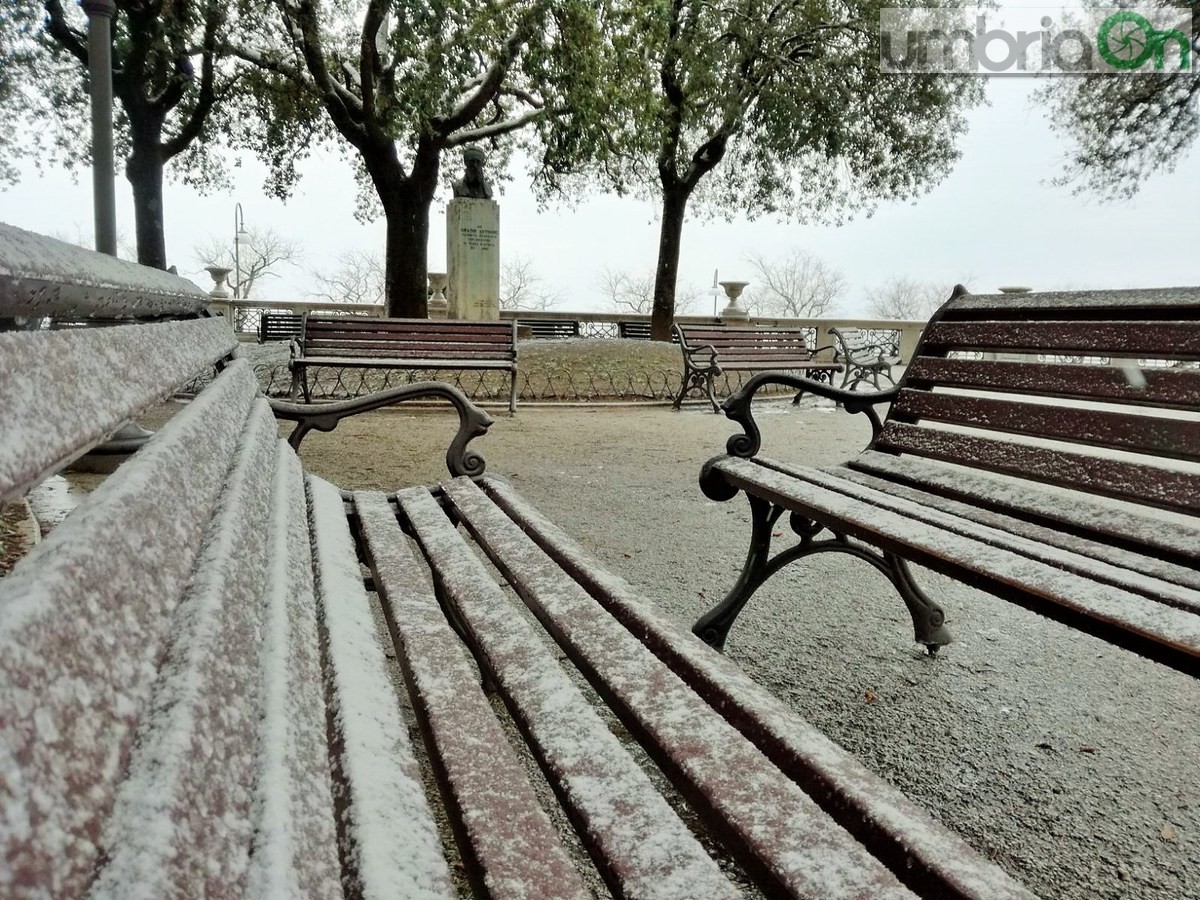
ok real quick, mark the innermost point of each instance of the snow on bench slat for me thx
(1173, 635)
(1126, 302)
(636, 839)
(914, 843)
(1176, 533)
(1100, 570)
(83, 620)
(1150, 484)
(514, 844)
(295, 841)
(392, 844)
(64, 391)
(1120, 337)
(782, 835)
(1153, 567)
(186, 799)
(43, 276)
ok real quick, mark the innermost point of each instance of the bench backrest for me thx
(418, 339)
(1095, 391)
(275, 326)
(750, 345)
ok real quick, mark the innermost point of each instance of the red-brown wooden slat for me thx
(930, 858)
(1140, 483)
(775, 828)
(1156, 435)
(509, 840)
(1093, 548)
(1154, 630)
(1166, 387)
(1089, 517)
(1123, 304)
(65, 741)
(352, 339)
(399, 348)
(638, 842)
(375, 362)
(390, 844)
(1155, 340)
(1106, 569)
(464, 330)
(192, 772)
(295, 852)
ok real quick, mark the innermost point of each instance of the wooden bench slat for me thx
(383, 349)
(1154, 340)
(773, 826)
(43, 276)
(390, 844)
(1170, 388)
(1156, 631)
(186, 799)
(1146, 484)
(1172, 302)
(1105, 569)
(125, 369)
(83, 620)
(353, 362)
(1014, 522)
(295, 836)
(929, 857)
(508, 837)
(1080, 515)
(1156, 435)
(636, 839)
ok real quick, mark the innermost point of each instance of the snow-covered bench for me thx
(865, 360)
(1043, 447)
(223, 676)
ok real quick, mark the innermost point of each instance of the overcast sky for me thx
(996, 219)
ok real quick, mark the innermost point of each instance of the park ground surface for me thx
(1070, 763)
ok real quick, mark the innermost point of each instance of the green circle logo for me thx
(1126, 40)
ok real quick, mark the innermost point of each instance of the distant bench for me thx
(374, 343)
(550, 329)
(865, 360)
(711, 350)
(1005, 462)
(200, 666)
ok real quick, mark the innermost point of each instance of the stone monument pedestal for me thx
(473, 258)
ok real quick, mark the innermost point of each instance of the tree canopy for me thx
(169, 79)
(401, 82)
(1123, 127)
(768, 107)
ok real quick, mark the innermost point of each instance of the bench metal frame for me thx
(926, 489)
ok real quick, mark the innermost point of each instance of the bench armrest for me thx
(472, 421)
(692, 352)
(738, 407)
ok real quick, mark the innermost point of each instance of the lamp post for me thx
(240, 237)
(104, 200)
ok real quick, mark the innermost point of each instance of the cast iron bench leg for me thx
(713, 627)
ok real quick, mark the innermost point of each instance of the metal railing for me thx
(246, 315)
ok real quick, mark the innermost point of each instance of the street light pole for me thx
(104, 190)
(239, 237)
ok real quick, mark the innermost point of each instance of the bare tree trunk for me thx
(669, 243)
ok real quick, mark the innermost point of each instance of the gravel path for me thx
(1070, 763)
